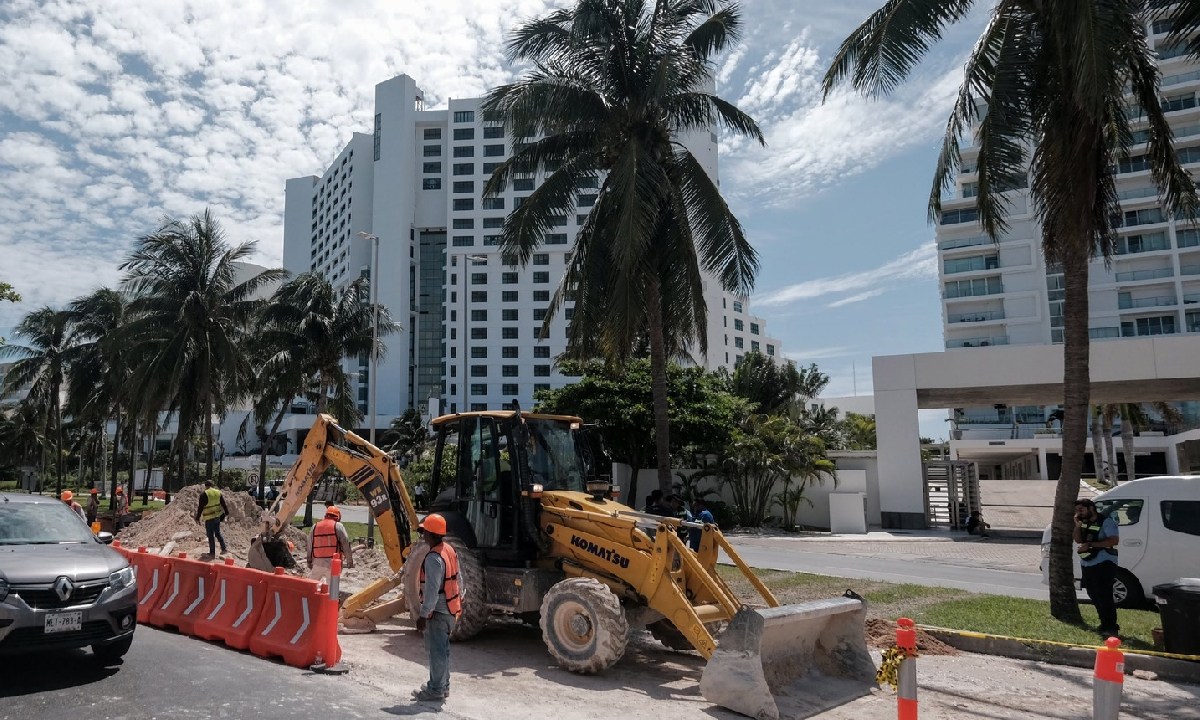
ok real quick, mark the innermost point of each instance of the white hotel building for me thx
(470, 325)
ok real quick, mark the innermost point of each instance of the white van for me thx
(1160, 535)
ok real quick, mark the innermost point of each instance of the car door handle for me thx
(1132, 543)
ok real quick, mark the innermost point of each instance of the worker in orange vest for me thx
(329, 539)
(441, 605)
(68, 499)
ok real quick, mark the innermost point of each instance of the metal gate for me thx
(951, 493)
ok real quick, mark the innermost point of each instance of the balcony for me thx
(1125, 303)
(1135, 244)
(1136, 193)
(1189, 270)
(1191, 299)
(1169, 80)
(977, 342)
(1135, 275)
(973, 317)
(956, 243)
(971, 264)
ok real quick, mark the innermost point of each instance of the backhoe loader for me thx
(540, 537)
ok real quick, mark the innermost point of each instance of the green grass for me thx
(949, 607)
(356, 530)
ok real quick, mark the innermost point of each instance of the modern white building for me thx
(470, 326)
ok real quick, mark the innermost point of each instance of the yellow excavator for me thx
(540, 536)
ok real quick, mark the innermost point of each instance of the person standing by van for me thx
(1097, 537)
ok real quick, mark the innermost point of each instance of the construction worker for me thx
(122, 502)
(212, 509)
(1097, 537)
(93, 506)
(329, 539)
(68, 499)
(441, 604)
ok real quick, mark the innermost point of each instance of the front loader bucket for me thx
(791, 661)
(266, 555)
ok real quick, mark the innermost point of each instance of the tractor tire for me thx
(584, 625)
(470, 582)
(669, 635)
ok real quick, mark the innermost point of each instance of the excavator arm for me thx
(372, 471)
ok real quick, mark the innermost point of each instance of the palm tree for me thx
(192, 323)
(776, 388)
(315, 328)
(1045, 92)
(42, 367)
(21, 438)
(613, 87)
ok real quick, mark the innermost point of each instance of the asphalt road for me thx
(172, 676)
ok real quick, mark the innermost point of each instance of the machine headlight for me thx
(121, 579)
(3, 589)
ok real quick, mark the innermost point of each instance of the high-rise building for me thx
(470, 326)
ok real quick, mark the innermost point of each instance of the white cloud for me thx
(860, 285)
(809, 355)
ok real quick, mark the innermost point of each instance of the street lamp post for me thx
(371, 363)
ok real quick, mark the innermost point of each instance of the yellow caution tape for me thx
(1055, 643)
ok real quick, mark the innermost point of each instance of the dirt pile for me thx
(176, 523)
(369, 566)
(882, 634)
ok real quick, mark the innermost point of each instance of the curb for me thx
(1179, 668)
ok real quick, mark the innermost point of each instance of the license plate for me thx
(64, 622)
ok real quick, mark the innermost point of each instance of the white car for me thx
(1159, 519)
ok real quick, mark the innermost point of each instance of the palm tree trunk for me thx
(1098, 447)
(658, 386)
(150, 462)
(112, 485)
(1064, 604)
(58, 443)
(1127, 441)
(1110, 453)
(321, 404)
(133, 457)
(208, 436)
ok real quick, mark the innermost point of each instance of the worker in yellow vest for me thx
(212, 510)
(329, 540)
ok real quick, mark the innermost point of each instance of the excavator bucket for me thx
(791, 661)
(266, 555)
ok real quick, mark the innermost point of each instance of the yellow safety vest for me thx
(212, 509)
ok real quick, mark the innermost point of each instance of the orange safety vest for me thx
(325, 539)
(450, 582)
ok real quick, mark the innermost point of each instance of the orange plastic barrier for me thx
(290, 626)
(189, 584)
(237, 601)
(151, 572)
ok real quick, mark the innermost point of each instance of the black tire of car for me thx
(1127, 591)
(110, 653)
(475, 611)
(584, 626)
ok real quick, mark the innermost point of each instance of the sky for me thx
(114, 115)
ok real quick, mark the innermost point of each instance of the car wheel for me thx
(1127, 591)
(110, 653)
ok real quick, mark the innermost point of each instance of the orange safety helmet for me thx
(120, 490)
(333, 512)
(94, 491)
(66, 496)
(434, 523)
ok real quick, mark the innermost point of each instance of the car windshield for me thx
(24, 523)
(553, 458)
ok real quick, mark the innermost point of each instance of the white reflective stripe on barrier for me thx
(220, 602)
(199, 597)
(174, 594)
(249, 605)
(153, 587)
(278, 614)
(304, 626)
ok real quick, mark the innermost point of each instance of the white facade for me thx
(470, 326)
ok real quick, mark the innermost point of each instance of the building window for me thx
(541, 259)
(556, 239)
(479, 351)
(771, 350)
(754, 329)
(541, 277)
(510, 389)
(478, 388)
(541, 351)
(558, 221)
(464, 241)
(754, 345)
(510, 315)
(431, 167)
(464, 168)
(508, 333)
(738, 324)
(479, 333)
(464, 223)
(737, 342)
(477, 407)
(464, 151)
(510, 352)
(479, 315)
(493, 150)
(463, 116)
(539, 314)
(569, 313)
(978, 286)
(464, 133)
(737, 306)
(510, 371)
(580, 219)
(508, 278)
(541, 296)
(479, 278)
(538, 387)
(957, 217)
(464, 186)
(433, 151)
(522, 184)
(491, 239)
(508, 296)
(491, 132)
(489, 168)
(479, 371)
(461, 204)
(432, 134)
(541, 371)
(478, 296)
(587, 200)
(378, 133)
(491, 223)
(431, 184)
(492, 203)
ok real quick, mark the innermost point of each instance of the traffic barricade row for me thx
(269, 614)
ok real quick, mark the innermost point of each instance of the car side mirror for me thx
(105, 537)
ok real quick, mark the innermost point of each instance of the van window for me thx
(1125, 511)
(1182, 516)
